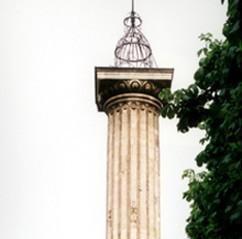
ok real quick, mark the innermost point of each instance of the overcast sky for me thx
(53, 140)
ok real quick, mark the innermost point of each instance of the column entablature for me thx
(142, 82)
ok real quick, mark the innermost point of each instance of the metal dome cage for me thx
(133, 49)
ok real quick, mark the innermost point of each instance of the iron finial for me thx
(133, 49)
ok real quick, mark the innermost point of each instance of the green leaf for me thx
(235, 216)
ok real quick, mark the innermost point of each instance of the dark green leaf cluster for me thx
(214, 104)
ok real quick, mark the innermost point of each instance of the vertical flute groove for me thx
(142, 176)
(133, 174)
(129, 162)
(113, 172)
(119, 174)
(138, 174)
(116, 175)
(157, 143)
(124, 173)
(110, 180)
(147, 174)
(151, 173)
(154, 177)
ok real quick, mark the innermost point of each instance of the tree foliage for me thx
(214, 103)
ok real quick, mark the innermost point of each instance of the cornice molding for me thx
(111, 82)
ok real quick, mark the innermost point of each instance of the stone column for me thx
(133, 167)
(133, 108)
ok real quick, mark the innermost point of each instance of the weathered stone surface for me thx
(133, 171)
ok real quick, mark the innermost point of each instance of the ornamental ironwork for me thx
(133, 49)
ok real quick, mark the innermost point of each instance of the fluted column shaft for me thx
(133, 167)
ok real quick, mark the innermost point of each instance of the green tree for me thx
(214, 103)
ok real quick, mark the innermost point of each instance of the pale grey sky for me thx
(53, 140)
